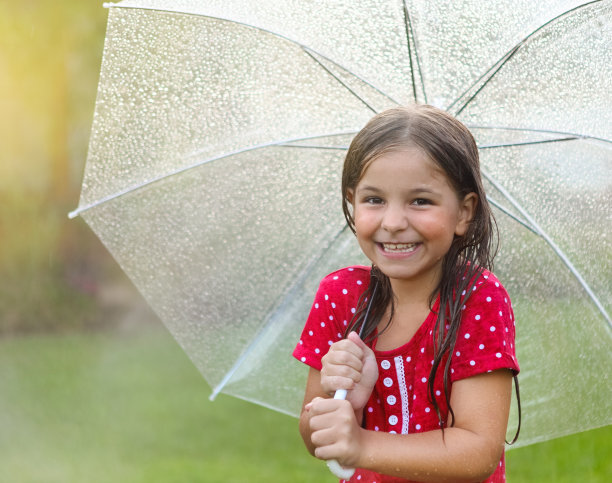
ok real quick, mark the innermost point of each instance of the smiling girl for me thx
(429, 386)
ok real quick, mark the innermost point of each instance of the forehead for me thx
(409, 166)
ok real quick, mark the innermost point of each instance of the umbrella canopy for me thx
(213, 173)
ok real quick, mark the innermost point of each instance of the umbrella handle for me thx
(333, 465)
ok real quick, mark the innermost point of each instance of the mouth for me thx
(398, 247)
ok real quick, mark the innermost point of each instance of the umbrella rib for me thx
(570, 135)
(271, 317)
(412, 46)
(507, 212)
(526, 143)
(556, 249)
(495, 68)
(342, 83)
(146, 183)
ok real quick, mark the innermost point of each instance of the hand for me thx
(350, 364)
(335, 433)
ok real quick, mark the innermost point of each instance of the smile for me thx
(399, 247)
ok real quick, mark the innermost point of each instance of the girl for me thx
(429, 386)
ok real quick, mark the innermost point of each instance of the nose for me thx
(394, 218)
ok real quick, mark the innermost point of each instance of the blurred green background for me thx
(92, 387)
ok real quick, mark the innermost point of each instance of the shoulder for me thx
(487, 307)
(348, 278)
(487, 288)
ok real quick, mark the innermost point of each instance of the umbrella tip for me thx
(108, 4)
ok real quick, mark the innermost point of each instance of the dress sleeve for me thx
(333, 307)
(485, 341)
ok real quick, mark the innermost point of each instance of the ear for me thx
(467, 209)
(350, 196)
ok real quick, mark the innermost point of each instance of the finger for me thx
(332, 383)
(350, 356)
(355, 339)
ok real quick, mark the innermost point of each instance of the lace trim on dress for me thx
(401, 381)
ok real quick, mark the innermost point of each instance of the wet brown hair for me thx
(452, 147)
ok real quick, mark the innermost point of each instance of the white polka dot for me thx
(388, 382)
(418, 427)
(427, 410)
(498, 355)
(438, 393)
(353, 310)
(463, 293)
(505, 300)
(500, 313)
(316, 306)
(497, 284)
(424, 379)
(391, 400)
(345, 322)
(370, 409)
(477, 317)
(488, 299)
(344, 291)
(322, 324)
(303, 359)
(359, 282)
(329, 342)
(317, 351)
(472, 363)
(457, 353)
(385, 364)
(336, 277)
(467, 336)
(339, 335)
(481, 346)
(301, 343)
(492, 328)
(408, 359)
(326, 297)
(310, 332)
(422, 350)
(393, 420)
(333, 305)
(351, 269)
(392, 432)
(376, 428)
(331, 317)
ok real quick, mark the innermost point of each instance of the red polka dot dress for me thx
(399, 402)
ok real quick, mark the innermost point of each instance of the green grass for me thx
(128, 406)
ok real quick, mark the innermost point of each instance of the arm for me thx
(469, 451)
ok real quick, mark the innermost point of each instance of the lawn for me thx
(128, 406)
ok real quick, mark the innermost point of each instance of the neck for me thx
(414, 292)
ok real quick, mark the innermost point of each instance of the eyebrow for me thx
(414, 191)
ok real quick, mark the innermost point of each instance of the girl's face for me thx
(406, 215)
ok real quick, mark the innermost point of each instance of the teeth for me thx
(399, 247)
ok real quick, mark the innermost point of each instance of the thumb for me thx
(354, 337)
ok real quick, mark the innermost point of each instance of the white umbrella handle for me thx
(333, 465)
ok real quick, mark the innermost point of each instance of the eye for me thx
(421, 202)
(373, 200)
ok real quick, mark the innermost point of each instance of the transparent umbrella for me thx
(216, 150)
